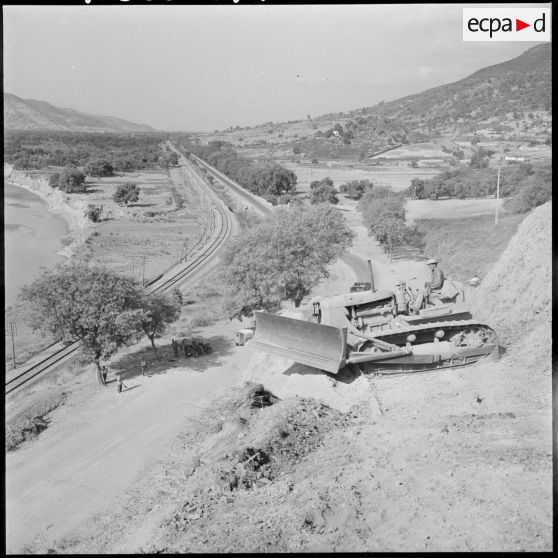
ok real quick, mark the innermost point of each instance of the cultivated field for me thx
(398, 178)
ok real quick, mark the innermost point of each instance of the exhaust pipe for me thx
(371, 277)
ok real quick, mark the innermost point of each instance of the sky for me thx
(179, 67)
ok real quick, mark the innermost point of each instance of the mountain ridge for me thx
(33, 114)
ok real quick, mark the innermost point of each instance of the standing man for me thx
(433, 286)
(143, 365)
(120, 384)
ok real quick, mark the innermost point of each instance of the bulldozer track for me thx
(47, 364)
(432, 325)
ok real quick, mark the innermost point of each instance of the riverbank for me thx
(57, 202)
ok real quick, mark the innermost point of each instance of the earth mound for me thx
(516, 296)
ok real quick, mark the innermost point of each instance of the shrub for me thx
(94, 212)
(99, 167)
(355, 189)
(126, 193)
(70, 180)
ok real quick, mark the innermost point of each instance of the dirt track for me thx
(89, 456)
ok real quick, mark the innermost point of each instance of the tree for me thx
(316, 183)
(323, 191)
(53, 180)
(70, 180)
(283, 257)
(99, 167)
(84, 303)
(126, 193)
(374, 208)
(417, 188)
(274, 180)
(356, 188)
(158, 310)
(534, 192)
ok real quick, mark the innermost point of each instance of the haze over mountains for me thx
(29, 114)
(496, 95)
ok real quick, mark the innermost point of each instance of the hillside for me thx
(29, 114)
(510, 101)
(445, 461)
(520, 85)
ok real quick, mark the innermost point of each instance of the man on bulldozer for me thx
(432, 287)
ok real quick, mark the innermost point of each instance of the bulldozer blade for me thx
(316, 345)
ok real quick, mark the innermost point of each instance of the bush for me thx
(30, 422)
(531, 195)
(383, 214)
(355, 189)
(94, 212)
(70, 180)
(99, 167)
(323, 191)
(126, 194)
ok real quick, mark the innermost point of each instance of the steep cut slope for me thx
(516, 295)
(29, 114)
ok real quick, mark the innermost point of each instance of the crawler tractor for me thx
(379, 332)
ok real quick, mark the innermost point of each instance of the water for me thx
(32, 236)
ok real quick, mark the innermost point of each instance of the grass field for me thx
(452, 208)
(470, 246)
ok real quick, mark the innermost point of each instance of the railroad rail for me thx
(161, 284)
(259, 204)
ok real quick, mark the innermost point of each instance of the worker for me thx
(432, 287)
(120, 384)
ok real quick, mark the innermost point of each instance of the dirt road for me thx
(86, 459)
(89, 456)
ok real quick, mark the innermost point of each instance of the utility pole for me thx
(185, 248)
(143, 271)
(498, 185)
(11, 330)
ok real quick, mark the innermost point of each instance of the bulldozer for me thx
(379, 332)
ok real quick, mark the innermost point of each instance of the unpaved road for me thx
(89, 456)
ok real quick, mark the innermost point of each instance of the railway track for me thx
(163, 284)
(260, 205)
(355, 263)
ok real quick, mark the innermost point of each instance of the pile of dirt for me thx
(255, 448)
(516, 296)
